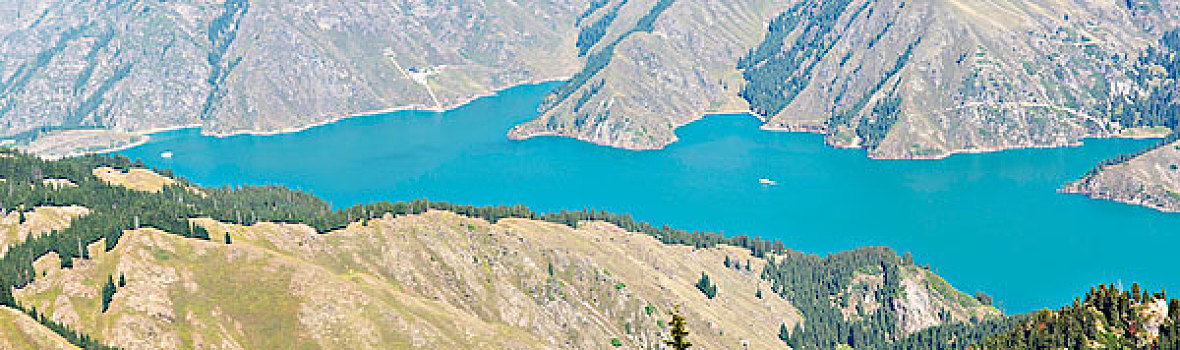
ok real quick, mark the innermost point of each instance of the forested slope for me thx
(1108, 317)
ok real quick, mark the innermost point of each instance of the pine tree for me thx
(706, 286)
(108, 293)
(783, 333)
(678, 338)
(228, 239)
(122, 280)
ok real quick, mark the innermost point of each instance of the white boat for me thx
(166, 155)
(767, 182)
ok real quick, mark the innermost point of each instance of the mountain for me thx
(915, 79)
(240, 66)
(903, 79)
(659, 65)
(103, 251)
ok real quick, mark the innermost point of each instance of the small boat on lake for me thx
(767, 182)
(166, 155)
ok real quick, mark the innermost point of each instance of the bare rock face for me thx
(1151, 179)
(235, 65)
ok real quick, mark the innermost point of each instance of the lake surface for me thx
(991, 221)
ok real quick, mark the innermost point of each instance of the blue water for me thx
(983, 221)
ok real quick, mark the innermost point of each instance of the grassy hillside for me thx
(434, 280)
(19, 331)
(270, 267)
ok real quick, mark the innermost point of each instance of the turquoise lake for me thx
(991, 222)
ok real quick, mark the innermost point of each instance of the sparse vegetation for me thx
(678, 335)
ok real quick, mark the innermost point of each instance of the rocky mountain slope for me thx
(236, 65)
(929, 78)
(422, 278)
(1149, 176)
(661, 65)
(903, 79)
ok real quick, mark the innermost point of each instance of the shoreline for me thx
(337, 118)
(516, 134)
